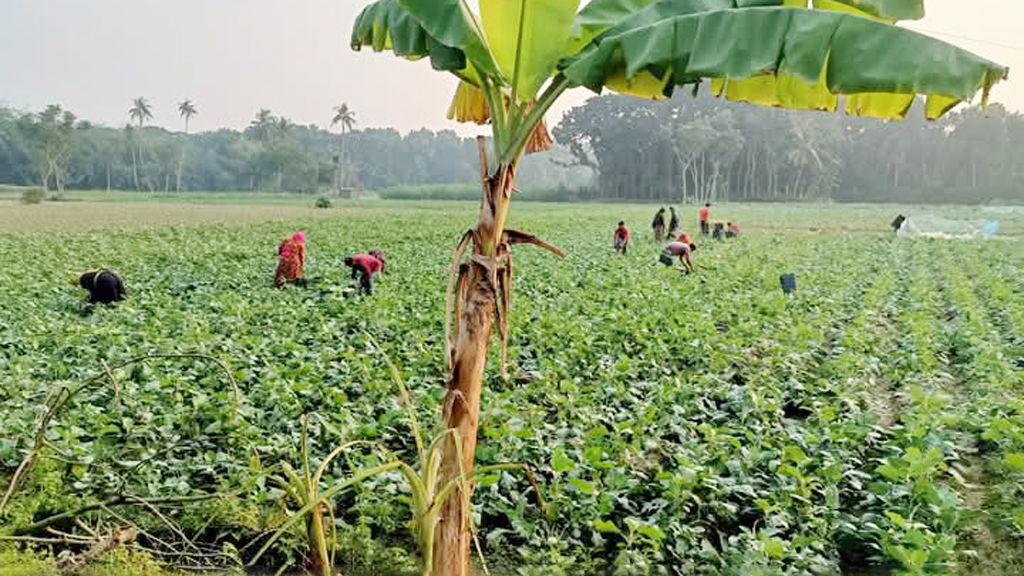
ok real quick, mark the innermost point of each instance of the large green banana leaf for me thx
(527, 38)
(886, 9)
(453, 24)
(600, 15)
(386, 25)
(788, 50)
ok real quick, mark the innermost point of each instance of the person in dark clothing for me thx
(659, 226)
(103, 285)
(364, 266)
(673, 222)
(898, 223)
(718, 232)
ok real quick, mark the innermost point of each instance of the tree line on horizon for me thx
(684, 149)
(704, 149)
(56, 150)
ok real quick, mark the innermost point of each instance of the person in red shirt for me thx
(292, 254)
(705, 213)
(621, 237)
(364, 266)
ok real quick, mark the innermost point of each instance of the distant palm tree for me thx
(261, 124)
(346, 117)
(187, 110)
(139, 112)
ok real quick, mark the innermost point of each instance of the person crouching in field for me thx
(898, 222)
(684, 251)
(292, 253)
(364, 266)
(731, 230)
(103, 285)
(621, 242)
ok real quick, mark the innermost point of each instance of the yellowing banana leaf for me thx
(879, 105)
(782, 90)
(936, 105)
(848, 54)
(527, 37)
(643, 85)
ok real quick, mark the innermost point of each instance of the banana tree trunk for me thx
(477, 285)
(478, 297)
(452, 538)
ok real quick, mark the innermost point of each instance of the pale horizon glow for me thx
(233, 57)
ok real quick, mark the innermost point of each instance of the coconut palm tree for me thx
(261, 126)
(187, 110)
(139, 112)
(346, 117)
(514, 59)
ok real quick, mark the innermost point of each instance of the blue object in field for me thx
(788, 282)
(990, 228)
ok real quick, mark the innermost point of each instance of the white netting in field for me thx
(936, 227)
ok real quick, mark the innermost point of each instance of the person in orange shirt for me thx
(621, 238)
(705, 213)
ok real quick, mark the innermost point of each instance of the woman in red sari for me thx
(293, 256)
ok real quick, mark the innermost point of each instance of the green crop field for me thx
(871, 422)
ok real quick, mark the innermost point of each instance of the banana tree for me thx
(514, 58)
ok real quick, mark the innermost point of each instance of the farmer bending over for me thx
(103, 285)
(292, 252)
(621, 237)
(364, 266)
(684, 251)
(731, 230)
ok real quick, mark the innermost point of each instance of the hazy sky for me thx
(232, 57)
